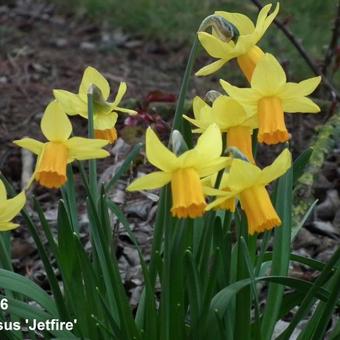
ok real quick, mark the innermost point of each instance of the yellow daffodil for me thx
(9, 208)
(60, 149)
(270, 96)
(248, 182)
(230, 117)
(184, 171)
(105, 113)
(245, 49)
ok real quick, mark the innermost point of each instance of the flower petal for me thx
(92, 77)
(120, 93)
(151, 181)
(301, 89)
(281, 164)
(157, 154)
(55, 124)
(242, 175)
(242, 95)
(268, 77)
(6, 226)
(214, 46)
(105, 121)
(214, 166)
(211, 68)
(264, 20)
(300, 104)
(3, 192)
(30, 144)
(71, 103)
(128, 111)
(83, 148)
(11, 207)
(242, 22)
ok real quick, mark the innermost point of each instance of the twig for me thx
(333, 92)
(333, 42)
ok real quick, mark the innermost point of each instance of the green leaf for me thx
(300, 164)
(281, 251)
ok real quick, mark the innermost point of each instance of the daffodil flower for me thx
(54, 155)
(184, 171)
(230, 117)
(247, 182)
(245, 49)
(270, 96)
(105, 113)
(9, 208)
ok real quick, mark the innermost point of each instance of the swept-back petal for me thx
(83, 148)
(198, 104)
(151, 181)
(71, 103)
(3, 192)
(220, 200)
(11, 207)
(242, 22)
(55, 124)
(300, 104)
(105, 121)
(301, 89)
(128, 111)
(281, 164)
(120, 93)
(92, 77)
(228, 112)
(264, 20)
(242, 95)
(30, 144)
(157, 154)
(6, 226)
(213, 166)
(242, 175)
(214, 46)
(268, 77)
(211, 68)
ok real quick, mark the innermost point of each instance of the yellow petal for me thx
(301, 89)
(214, 166)
(157, 154)
(227, 112)
(207, 149)
(242, 95)
(281, 164)
(300, 104)
(242, 22)
(220, 200)
(83, 148)
(6, 226)
(214, 46)
(120, 93)
(92, 77)
(242, 175)
(30, 144)
(3, 192)
(151, 181)
(11, 207)
(268, 77)
(211, 68)
(105, 121)
(71, 103)
(55, 124)
(195, 122)
(128, 111)
(198, 105)
(264, 20)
